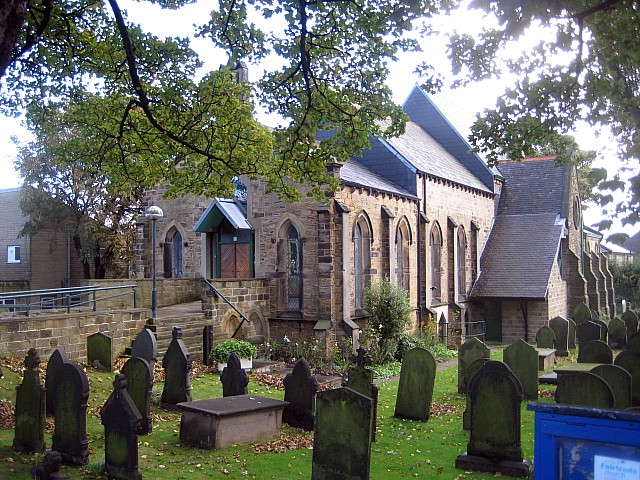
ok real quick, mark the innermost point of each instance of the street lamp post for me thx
(153, 213)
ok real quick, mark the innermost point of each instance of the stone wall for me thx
(513, 322)
(46, 332)
(171, 291)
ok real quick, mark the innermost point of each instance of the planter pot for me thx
(245, 363)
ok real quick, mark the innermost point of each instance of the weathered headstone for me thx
(360, 379)
(617, 334)
(619, 380)
(581, 313)
(207, 344)
(121, 420)
(604, 329)
(100, 351)
(560, 327)
(415, 390)
(630, 361)
(145, 346)
(633, 342)
(471, 371)
(545, 337)
(630, 319)
(49, 468)
(572, 334)
(342, 438)
(586, 389)
(468, 352)
(70, 435)
(56, 360)
(139, 376)
(233, 377)
(300, 387)
(595, 351)
(494, 441)
(586, 332)
(522, 359)
(30, 413)
(177, 364)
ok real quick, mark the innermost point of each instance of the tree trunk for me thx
(77, 245)
(12, 19)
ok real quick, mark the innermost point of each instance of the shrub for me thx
(221, 351)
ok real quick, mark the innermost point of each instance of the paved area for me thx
(182, 309)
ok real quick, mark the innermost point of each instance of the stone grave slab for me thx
(633, 342)
(49, 468)
(581, 313)
(630, 361)
(342, 438)
(139, 376)
(546, 358)
(100, 351)
(177, 364)
(57, 358)
(571, 368)
(300, 387)
(145, 346)
(630, 319)
(360, 379)
(471, 371)
(233, 377)
(617, 334)
(545, 337)
(30, 409)
(415, 389)
(585, 389)
(522, 359)
(595, 351)
(560, 327)
(468, 352)
(221, 422)
(572, 334)
(619, 380)
(604, 329)
(207, 344)
(587, 331)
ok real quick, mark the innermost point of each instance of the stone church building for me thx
(480, 251)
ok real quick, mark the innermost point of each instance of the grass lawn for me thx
(404, 449)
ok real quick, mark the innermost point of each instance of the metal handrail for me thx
(228, 302)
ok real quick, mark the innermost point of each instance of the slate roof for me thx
(633, 243)
(518, 257)
(233, 210)
(356, 174)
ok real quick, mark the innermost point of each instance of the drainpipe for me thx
(68, 260)
(525, 316)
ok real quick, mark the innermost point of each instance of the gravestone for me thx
(49, 468)
(360, 379)
(631, 321)
(586, 332)
(604, 329)
(121, 420)
(177, 364)
(619, 380)
(300, 388)
(70, 435)
(233, 377)
(586, 389)
(56, 360)
(630, 361)
(633, 342)
(560, 327)
(468, 352)
(595, 351)
(471, 371)
(545, 337)
(494, 441)
(522, 359)
(617, 334)
(30, 410)
(581, 313)
(415, 390)
(342, 437)
(145, 346)
(100, 351)
(207, 344)
(571, 340)
(139, 376)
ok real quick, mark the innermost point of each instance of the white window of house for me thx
(13, 254)
(7, 301)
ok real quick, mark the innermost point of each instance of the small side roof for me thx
(235, 211)
(356, 174)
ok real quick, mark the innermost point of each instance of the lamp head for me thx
(153, 213)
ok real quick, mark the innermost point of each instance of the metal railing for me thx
(217, 292)
(27, 301)
(448, 331)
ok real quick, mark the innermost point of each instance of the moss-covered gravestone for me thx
(177, 364)
(471, 371)
(360, 379)
(585, 389)
(630, 361)
(415, 390)
(342, 435)
(300, 388)
(604, 329)
(631, 321)
(494, 441)
(139, 376)
(207, 344)
(619, 380)
(56, 360)
(100, 351)
(522, 359)
(572, 334)
(145, 346)
(633, 342)
(70, 435)
(121, 420)
(233, 377)
(545, 337)
(587, 332)
(468, 352)
(617, 334)
(560, 327)
(582, 313)
(49, 468)
(30, 414)
(595, 351)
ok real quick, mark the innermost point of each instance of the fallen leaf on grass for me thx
(285, 443)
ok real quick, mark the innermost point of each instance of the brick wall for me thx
(69, 331)
(12, 223)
